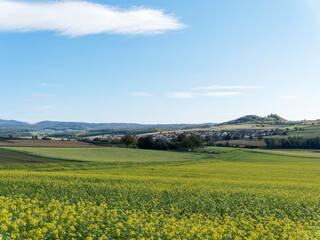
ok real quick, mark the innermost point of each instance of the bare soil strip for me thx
(44, 143)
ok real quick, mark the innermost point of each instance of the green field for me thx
(8, 156)
(240, 194)
(109, 155)
(308, 133)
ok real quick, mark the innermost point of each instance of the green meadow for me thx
(308, 133)
(105, 155)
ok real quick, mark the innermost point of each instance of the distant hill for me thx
(84, 126)
(270, 119)
(93, 126)
(8, 123)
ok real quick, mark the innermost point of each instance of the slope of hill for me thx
(272, 118)
(10, 123)
(22, 129)
(94, 126)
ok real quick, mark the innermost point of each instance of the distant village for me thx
(209, 135)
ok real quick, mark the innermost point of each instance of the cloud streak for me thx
(215, 87)
(41, 109)
(140, 94)
(195, 94)
(78, 18)
(43, 95)
(46, 85)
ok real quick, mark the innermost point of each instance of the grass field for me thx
(241, 194)
(308, 133)
(110, 154)
(7, 156)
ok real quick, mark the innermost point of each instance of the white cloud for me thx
(195, 94)
(41, 109)
(289, 97)
(42, 95)
(46, 85)
(225, 87)
(30, 100)
(140, 94)
(220, 94)
(77, 18)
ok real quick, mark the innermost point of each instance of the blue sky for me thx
(181, 61)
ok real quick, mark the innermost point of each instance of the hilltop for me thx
(10, 123)
(254, 119)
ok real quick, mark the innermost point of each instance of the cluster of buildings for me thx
(211, 134)
(222, 135)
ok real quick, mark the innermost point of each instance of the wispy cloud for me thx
(41, 109)
(220, 94)
(215, 87)
(140, 94)
(77, 18)
(196, 94)
(30, 100)
(46, 84)
(289, 97)
(43, 95)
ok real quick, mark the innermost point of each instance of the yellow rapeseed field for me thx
(240, 194)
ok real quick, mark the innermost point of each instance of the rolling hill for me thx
(272, 118)
(55, 125)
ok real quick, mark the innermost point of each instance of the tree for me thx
(160, 144)
(181, 137)
(227, 137)
(196, 140)
(127, 140)
(187, 143)
(145, 142)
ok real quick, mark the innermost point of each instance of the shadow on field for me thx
(8, 156)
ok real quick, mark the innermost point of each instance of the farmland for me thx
(41, 143)
(240, 194)
(307, 133)
(7, 156)
(110, 155)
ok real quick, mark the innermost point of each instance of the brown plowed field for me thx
(44, 143)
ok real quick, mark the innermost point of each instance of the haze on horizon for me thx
(158, 62)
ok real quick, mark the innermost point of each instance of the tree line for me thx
(293, 143)
(181, 142)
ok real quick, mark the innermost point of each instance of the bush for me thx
(46, 138)
(160, 144)
(145, 142)
(127, 140)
